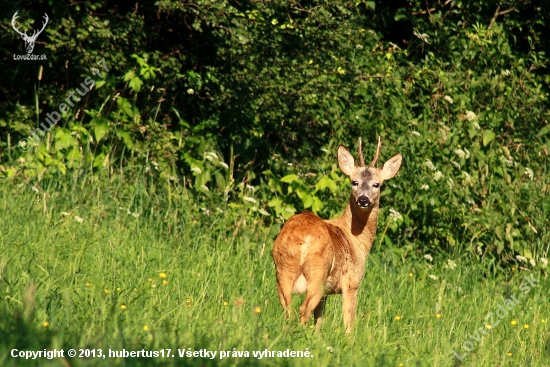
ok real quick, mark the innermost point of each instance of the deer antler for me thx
(43, 24)
(13, 19)
(24, 34)
(361, 159)
(373, 163)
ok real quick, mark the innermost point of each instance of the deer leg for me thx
(349, 305)
(314, 295)
(287, 274)
(318, 313)
(315, 291)
(284, 288)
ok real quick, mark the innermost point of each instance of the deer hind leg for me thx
(318, 313)
(286, 277)
(284, 288)
(316, 274)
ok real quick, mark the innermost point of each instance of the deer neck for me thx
(360, 223)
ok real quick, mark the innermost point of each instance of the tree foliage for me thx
(247, 102)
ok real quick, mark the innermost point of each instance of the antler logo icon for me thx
(29, 40)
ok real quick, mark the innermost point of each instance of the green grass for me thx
(63, 283)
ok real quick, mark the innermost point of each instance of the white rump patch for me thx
(300, 285)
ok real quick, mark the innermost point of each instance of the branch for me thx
(498, 13)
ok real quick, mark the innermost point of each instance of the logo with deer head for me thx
(29, 40)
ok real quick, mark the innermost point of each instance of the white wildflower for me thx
(190, 91)
(451, 264)
(210, 156)
(479, 250)
(544, 261)
(224, 165)
(521, 258)
(428, 257)
(423, 36)
(250, 187)
(529, 173)
(197, 170)
(64, 214)
(416, 133)
(78, 219)
(451, 183)
(532, 262)
(476, 125)
(460, 153)
(359, 47)
(438, 175)
(433, 276)
(508, 162)
(249, 199)
(34, 189)
(456, 164)
(204, 187)
(425, 187)
(467, 153)
(471, 116)
(448, 99)
(506, 72)
(467, 177)
(430, 165)
(263, 212)
(396, 216)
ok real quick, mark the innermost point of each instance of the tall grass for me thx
(97, 264)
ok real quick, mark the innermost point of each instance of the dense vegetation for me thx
(222, 118)
(219, 96)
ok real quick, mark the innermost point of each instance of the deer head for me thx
(366, 181)
(29, 40)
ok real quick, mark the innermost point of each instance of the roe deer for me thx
(320, 257)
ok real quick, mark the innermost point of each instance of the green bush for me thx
(242, 106)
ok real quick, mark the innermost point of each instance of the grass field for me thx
(86, 267)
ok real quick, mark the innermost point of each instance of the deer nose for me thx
(363, 201)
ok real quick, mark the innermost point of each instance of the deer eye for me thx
(354, 183)
(377, 185)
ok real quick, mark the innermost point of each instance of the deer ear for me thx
(391, 167)
(345, 160)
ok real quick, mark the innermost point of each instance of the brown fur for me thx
(320, 257)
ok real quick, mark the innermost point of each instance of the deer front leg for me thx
(349, 305)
